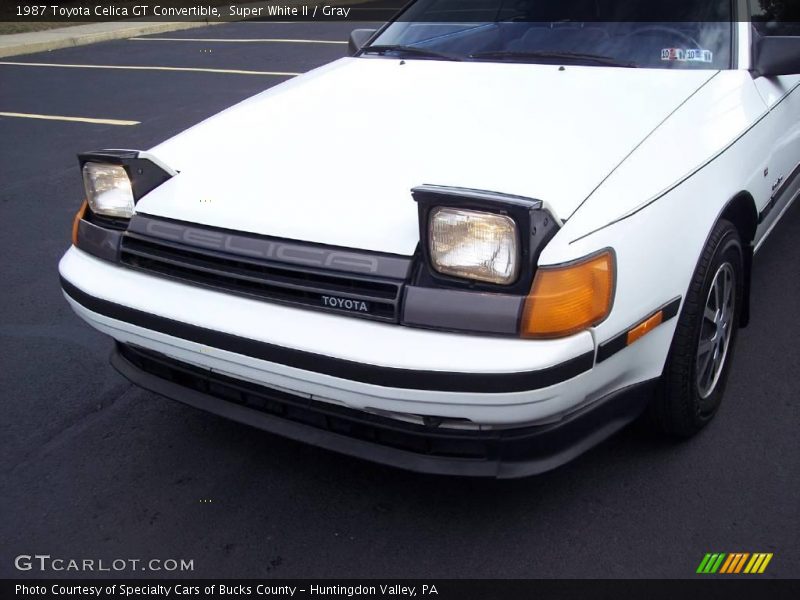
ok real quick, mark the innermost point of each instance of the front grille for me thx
(351, 294)
(420, 439)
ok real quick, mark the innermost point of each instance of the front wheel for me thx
(699, 360)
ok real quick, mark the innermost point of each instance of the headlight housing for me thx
(472, 244)
(108, 189)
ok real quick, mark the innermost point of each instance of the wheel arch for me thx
(741, 211)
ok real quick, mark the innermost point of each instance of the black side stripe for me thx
(445, 381)
(610, 347)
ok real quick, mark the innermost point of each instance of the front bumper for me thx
(504, 453)
(504, 393)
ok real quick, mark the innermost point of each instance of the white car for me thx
(475, 247)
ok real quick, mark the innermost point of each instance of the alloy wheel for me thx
(716, 329)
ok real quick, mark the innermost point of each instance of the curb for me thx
(66, 37)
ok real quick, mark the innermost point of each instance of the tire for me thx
(692, 385)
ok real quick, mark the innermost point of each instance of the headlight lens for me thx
(473, 244)
(108, 189)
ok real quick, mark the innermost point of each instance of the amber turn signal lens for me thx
(568, 299)
(76, 221)
(645, 327)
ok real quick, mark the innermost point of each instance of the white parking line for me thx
(142, 68)
(75, 119)
(234, 41)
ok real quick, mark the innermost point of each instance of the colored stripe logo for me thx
(734, 563)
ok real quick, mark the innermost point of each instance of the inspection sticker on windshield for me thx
(687, 55)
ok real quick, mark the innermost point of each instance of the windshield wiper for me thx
(412, 50)
(571, 56)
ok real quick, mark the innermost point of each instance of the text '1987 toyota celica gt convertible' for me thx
(478, 245)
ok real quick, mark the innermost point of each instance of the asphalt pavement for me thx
(95, 468)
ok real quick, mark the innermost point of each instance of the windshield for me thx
(679, 34)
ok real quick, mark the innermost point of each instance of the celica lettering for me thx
(347, 261)
(296, 255)
(268, 249)
(205, 239)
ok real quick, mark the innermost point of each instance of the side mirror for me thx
(776, 55)
(358, 37)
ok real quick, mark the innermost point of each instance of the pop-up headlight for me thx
(108, 189)
(473, 244)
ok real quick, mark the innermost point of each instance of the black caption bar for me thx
(371, 589)
(88, 11)
(439, 11)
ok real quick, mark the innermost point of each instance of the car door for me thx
(781, 95)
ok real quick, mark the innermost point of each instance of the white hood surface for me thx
(331, 157)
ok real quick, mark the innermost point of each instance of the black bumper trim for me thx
(505, 453)
(445, 381)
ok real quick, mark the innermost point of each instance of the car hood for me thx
(331, 156)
